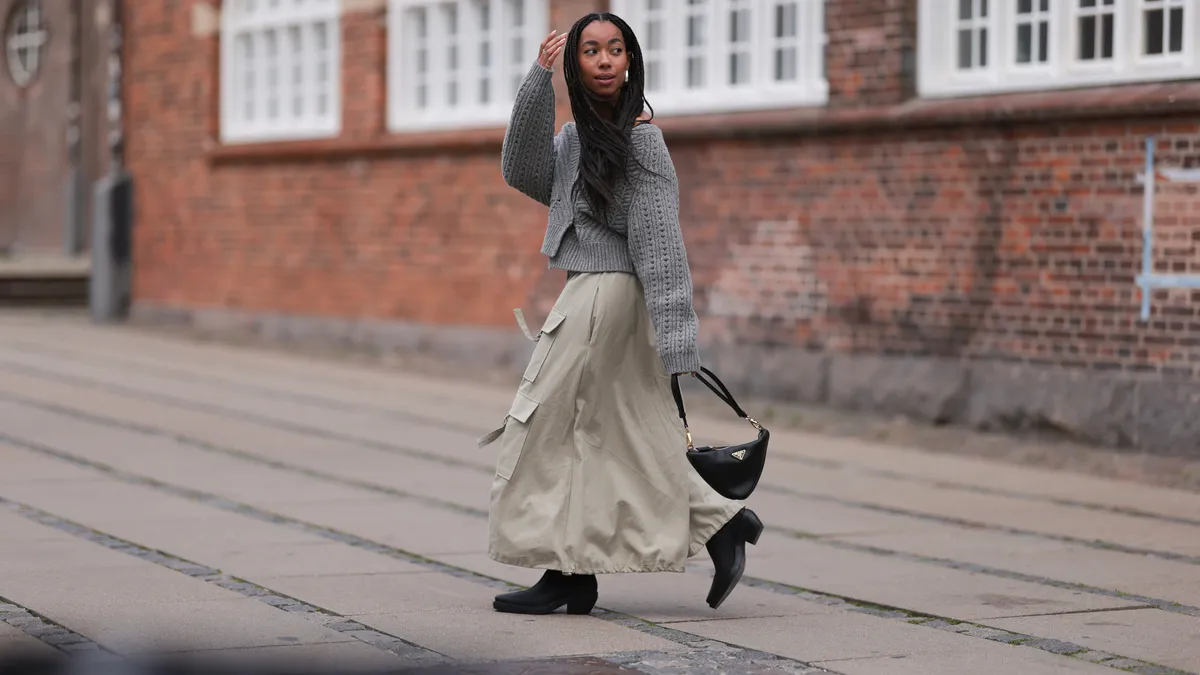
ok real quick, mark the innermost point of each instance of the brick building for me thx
(918, 206)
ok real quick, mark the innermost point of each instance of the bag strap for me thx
(717, 387)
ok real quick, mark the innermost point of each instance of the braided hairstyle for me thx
(605, 144)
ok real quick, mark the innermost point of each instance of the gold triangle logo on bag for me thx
(740, 454)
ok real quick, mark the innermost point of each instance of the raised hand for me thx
(552, 46)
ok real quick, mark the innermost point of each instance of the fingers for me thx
(556, 49)
(551, 48)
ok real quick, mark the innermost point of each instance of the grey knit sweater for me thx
(641, 234)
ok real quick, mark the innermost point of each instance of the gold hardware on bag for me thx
(688, 432)
(754, 423)
(740, 454)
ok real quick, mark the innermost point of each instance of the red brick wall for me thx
(1004, 229)
(1014, 243)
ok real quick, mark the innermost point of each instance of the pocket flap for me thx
(553, 321)
(522, 407)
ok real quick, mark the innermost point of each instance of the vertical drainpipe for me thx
(76, 180)
(112, 218)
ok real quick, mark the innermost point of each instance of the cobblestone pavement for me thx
(159, 496)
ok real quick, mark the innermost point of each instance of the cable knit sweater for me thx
(641, 234)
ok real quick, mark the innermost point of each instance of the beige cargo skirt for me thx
(591, 475)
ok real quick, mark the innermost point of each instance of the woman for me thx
(591, 474)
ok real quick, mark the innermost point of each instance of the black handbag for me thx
(733, 470)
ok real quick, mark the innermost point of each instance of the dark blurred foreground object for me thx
(228, 664)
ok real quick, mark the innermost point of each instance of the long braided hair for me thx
(605, 144)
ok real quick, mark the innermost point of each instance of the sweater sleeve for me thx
(658, 253)
(530, 146)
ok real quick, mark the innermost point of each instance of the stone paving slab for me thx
(372, 464)
(817, 517)
(308, 560)
(107, 500)
(849, 642)
(915, 586)
(1149, 634)
(407, 525)
(189, 626)
(18, 472)
(480, 633)
(1176, 581)
(130, 607)
(292, 371)
(364, 594)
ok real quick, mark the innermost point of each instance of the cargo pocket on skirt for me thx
(545, 341)
(516, 432)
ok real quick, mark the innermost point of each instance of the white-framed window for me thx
(459, 63)
(24, 38)
(727, 55)
(280, 70)
(968, 47)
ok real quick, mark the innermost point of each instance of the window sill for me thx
(1158, 99)
(439, 142)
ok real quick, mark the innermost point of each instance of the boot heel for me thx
(752, 527)
(581, 603)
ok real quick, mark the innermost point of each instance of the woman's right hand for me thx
(552, 46)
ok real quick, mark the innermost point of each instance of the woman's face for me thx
(603, 59)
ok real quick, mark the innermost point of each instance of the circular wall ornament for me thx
(24, 39)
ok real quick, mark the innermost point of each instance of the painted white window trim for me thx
(939, 76)
(25, 37)
(510, 52)
(293, 28)
(761, 91)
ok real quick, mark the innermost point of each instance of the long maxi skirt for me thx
(591, 475)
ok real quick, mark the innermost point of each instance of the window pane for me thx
(965, 9)
(296, 45)
(1087, 37)
(965, 46)
(695, 30)
(785, 20)
(1024, 6)
(983, 8)
(1024, 43)
(247, 49)
(785, 64)
(1044, 41)
(1176, 41)
(983, 41)
(654, 35)
(695, 68)
(1153, 39)
(653, 78)
(272, 59)
(1108, 36)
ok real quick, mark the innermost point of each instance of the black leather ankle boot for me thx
(553, 590)
(728, 551)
